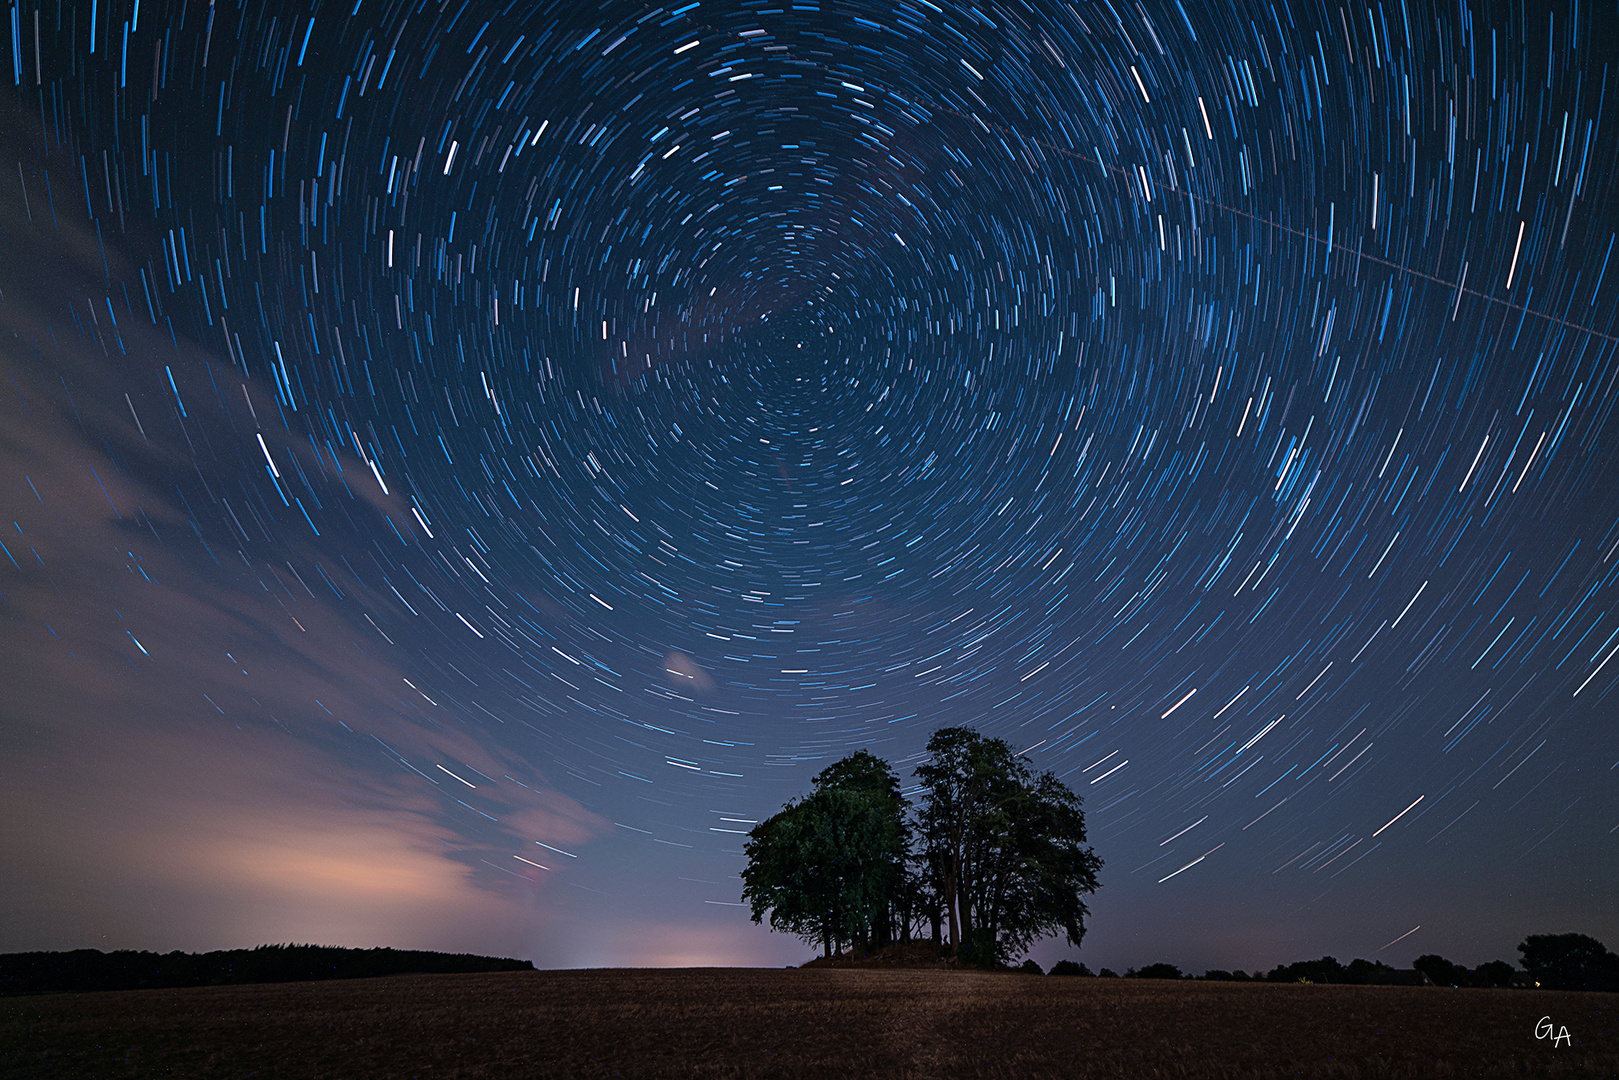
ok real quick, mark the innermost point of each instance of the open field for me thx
(715, 1022)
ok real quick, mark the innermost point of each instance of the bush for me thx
(1369, 973)
(1570, 962)
(1495, 973)
(1068, 967)
(1031, 968)
(980, 950)
(1159, 971)
(1441, 972)
(1325, 970)
(1107, 973)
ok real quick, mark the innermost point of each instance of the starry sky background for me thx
(464, 464)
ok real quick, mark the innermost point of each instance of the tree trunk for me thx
(966, 874)
(963, 907)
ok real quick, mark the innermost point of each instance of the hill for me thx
(914, 954)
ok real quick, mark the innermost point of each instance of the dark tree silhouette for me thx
(1369, 972)
(823, 867)
(1001, 854)
(125, 969)
(961, 791)
(1495, 973)
(1570, 962)
(867, 775)
(1159, 971)
(1325, 970)
(1442, 972)
(1002, 849)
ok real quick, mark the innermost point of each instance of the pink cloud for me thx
(209, 747)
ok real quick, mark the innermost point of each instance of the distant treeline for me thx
(1325, 970)
(92, 969)
(1551, 961)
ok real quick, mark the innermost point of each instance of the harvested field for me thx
(714, 1022)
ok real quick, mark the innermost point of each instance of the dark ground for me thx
(718, 1022)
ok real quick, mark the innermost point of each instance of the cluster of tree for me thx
(1551, 961)
(1442, 972)
(1569, 962)
(92, 969)
(1356, 972)
(992, 860)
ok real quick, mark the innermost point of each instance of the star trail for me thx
(466, 463)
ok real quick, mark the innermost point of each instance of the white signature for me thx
(1544, 1030)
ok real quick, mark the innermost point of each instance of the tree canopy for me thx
(824, 867)
(866, 775)
(995, 851)
(1002, 849)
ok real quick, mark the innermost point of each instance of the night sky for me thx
(465, 464)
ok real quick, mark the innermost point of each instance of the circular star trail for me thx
(1215, 401)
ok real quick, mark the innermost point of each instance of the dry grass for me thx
(801, 1024)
